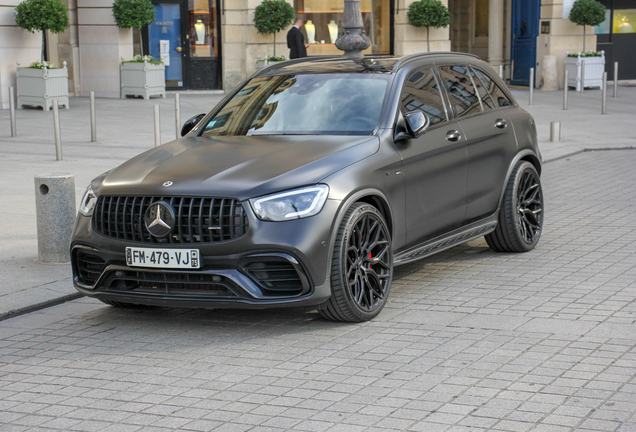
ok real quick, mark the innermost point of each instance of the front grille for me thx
(277, 276)
(89, 267)
(198, 220)
(165, 283)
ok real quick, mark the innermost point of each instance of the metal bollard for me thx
(615, 79)
(531, 85)
(14, 131)
(555, 131)
(604, 94)
(177, 116)
(58, 134)
(157, 128)
(565, 91)
(501, 72)
(93, 119)
(582, 75)
(55, 211)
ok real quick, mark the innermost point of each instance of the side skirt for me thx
(447, 241)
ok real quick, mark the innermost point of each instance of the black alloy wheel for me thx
(521, 214)
(362, 266)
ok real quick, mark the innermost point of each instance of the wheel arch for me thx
(370, 196)
(526, 155)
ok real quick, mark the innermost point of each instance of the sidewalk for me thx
(125, 128)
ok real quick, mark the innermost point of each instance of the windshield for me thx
(321, 104)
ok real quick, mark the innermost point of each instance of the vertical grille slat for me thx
(198, 219)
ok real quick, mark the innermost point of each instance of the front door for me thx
(164, 40)
(434, 165)
(525, 29)
(186, 37)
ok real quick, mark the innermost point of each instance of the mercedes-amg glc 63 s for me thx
(309, 182)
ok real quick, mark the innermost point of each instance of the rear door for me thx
(434, 164)
(490, 140)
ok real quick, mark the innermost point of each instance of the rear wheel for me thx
(362, 266)
(521, 214)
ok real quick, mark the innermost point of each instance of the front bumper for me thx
(274, 264)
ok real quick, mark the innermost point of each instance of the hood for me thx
(239, 167)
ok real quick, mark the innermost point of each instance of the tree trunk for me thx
(141, 42)
(428, 44)
(43, 47)
(274, 44)
(583, 38)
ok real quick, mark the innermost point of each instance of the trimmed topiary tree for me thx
(134, 14)
(41, 15)
(587, 13)
(272, 16)
(428, 13)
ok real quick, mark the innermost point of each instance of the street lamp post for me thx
(352, 39)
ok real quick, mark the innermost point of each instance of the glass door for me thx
(203, 47)
(164, 42)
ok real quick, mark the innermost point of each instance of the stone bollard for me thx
(55, 210)
(549, 80)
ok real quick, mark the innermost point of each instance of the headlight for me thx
(294, 204)
(88, 202)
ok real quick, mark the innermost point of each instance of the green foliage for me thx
(275, 58)
(39, 15)
(428, 13)
(587, 54)
(272, 16)
(40, 65)
(142, 59)
(587, 12)
(133, 13)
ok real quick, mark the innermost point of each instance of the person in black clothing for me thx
(296, 41)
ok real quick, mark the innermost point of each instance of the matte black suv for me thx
(309, 182)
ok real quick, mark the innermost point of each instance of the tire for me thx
(361, 269)
(521, 214)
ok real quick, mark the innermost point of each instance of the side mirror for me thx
(188, 125)
(417, 123)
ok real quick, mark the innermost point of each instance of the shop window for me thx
(624, 21)
(323, 21)
(604, 27)
(203, 28)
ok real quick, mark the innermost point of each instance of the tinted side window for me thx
(460, 89)
(421, 92)
(486, 101)
(493, 89)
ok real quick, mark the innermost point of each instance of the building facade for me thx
(213, 44)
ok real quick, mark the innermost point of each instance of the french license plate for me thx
(163, 258)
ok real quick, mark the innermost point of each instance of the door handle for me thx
(453, 135)
(179, 49)
(501, 123)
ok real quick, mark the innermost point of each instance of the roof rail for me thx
(407, 59)
(277, 65)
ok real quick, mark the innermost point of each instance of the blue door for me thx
(525, 29)
(164, 41)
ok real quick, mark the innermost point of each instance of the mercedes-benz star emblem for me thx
(167, 184)
(159, 219)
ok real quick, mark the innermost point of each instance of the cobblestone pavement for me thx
(470, 340)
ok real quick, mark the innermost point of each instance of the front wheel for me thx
(362, 266)
(521, 214)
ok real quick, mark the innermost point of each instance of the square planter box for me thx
(593, 74)
(260, 64)
(39, 87)
(143, 79)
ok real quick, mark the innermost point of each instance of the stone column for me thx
(495, 32)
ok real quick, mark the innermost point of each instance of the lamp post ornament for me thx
(352, 39)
